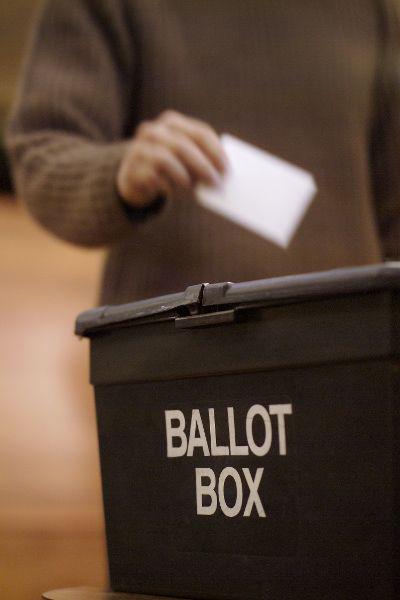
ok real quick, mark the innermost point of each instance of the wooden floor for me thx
(51, 528)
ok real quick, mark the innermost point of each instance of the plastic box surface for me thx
(249, 437)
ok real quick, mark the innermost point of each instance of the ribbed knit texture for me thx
(312, 82)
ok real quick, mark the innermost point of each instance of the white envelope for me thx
(262, 192)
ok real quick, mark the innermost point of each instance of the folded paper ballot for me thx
(260, 191)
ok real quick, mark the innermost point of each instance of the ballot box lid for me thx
(205, 298)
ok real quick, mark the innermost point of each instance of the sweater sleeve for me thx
(385, 139)
(65, 135)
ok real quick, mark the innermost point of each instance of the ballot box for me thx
(248, 437)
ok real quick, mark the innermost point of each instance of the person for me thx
(122, 103)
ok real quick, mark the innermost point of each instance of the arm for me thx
(65, 133)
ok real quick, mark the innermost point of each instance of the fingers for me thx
(185, 151)
(167, 164)
(201, 134)
(155, 184)
(167, 154)
(149, 171)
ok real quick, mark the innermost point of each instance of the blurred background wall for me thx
(51, 524)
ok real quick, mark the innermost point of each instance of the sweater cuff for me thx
(141, 214)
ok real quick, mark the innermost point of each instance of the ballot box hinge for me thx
(206, 319)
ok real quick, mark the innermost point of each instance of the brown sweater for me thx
(310, 81)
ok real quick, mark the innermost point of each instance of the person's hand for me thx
(169, 154)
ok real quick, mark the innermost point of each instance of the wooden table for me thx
(90, 593)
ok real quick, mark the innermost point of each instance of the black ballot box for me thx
(249, 437)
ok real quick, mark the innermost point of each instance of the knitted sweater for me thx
(312, 82)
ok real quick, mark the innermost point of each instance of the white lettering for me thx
(253, 498)
(235, 450)
(215, 450)
(230, 511)
(175, 432)
(255, 410)
(205, 490)
(281, 410)
(199, 441)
